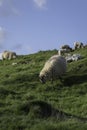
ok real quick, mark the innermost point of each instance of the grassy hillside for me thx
(26, 104)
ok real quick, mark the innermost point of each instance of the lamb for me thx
(54, 68)
(8, 55)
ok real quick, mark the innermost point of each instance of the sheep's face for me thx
(42, 79)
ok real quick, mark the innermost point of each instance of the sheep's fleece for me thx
(55, 67)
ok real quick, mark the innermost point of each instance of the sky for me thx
(29, 26)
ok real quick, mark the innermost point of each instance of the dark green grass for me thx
(26, 104)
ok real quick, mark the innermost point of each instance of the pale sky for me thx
(28, 26)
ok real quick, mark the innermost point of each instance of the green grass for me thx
(26, 104)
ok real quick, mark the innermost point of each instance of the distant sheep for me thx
(55, 67)
(8, 55)
(74, 57)
(66, 47)
(78, 45)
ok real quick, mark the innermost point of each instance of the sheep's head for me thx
(42, 79)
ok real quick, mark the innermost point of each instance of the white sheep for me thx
(8, 55)
(55, 67)
(78, 45)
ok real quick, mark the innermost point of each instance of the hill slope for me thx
(26, 104)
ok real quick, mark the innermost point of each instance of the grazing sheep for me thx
(8, 55)
(55, 67)
(67, 47)
(78, 45)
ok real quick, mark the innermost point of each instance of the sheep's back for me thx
(60, 66)
(57, 64)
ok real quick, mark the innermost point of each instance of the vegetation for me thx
(26, 104)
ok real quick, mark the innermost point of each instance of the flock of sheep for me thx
(54, 67)
(67, 48)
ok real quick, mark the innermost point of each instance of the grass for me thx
(26, 104)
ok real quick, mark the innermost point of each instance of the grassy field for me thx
(26, 104)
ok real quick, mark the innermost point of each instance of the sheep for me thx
(78, 45)
(67, 47)
(74, 57)
(55, 67)
(8, 55)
